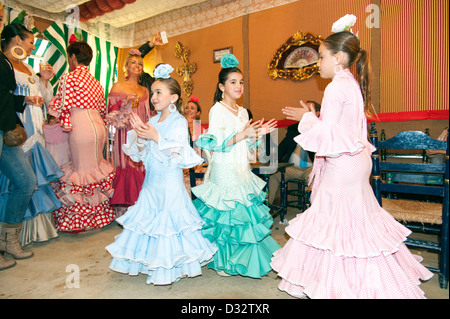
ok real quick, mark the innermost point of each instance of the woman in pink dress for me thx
(345, 245)
(127, 97)
(86, 186)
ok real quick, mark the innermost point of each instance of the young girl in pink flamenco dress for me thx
(345, 245)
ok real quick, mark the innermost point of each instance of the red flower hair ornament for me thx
(194, 99)
(76, 37)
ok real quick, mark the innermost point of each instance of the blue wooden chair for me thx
(298, 191)
(420, 191)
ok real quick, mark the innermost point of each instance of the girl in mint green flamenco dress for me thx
(231, 199)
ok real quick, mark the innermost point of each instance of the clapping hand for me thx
(259, 128)
(296, 113)
(146, 131)
(266, 128)
(250, 129)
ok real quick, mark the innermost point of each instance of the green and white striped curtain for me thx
(103, 65)
(53, 51)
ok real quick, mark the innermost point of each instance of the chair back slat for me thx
(413, 167)
(412, 140)
(415, 178)
(413, 189)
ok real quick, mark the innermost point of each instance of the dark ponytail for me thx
(364, 70)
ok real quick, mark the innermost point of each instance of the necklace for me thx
(233, 109)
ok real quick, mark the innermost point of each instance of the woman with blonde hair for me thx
(127, 97)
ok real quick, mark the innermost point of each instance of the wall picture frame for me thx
(219, 53)
(297, 58)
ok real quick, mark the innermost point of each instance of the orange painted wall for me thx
(262, 33)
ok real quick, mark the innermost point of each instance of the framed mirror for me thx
(297, 58)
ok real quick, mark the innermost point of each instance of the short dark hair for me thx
(316, 105)
(82, 51)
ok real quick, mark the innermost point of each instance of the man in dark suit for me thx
(290, 152)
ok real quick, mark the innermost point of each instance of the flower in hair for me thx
(163, 71)
(76, 37)
(344, 24)
(135, 52)
(229, 61)
(194, 99)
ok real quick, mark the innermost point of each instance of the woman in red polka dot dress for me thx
(86, 187)
(345, 245)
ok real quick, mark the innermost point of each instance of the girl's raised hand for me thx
(267, 127)
(146, 131)
(296, 113)
(135, 121)
(250, 129)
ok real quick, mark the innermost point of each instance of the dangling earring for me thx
(172, 107)
(339, 68)
(20, 56)
(222, 95)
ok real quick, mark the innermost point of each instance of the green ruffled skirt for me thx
(238, 222)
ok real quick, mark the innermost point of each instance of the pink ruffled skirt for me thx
(345, 245)
(86, 187)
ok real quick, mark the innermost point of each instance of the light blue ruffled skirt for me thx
(161, 234)
(43, 200)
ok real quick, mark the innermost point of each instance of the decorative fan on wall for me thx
(297, 58)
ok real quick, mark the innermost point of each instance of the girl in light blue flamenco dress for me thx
(231, 199)
(161, 234)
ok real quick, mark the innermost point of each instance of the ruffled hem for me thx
(329, 140)
(154, 223)
(43, 199)
(94, 186)
(369, 233)
(165, 245)
(242, 236)
(38, 229)
(127, 184)
(216, 196)
(320, 274)
(82, 217)
(165, 259)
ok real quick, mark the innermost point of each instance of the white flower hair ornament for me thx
(163, 71)
(344, 24)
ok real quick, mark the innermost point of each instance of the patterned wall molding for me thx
(200, 16)
(175, 22)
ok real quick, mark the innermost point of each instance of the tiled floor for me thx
(76, 266)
